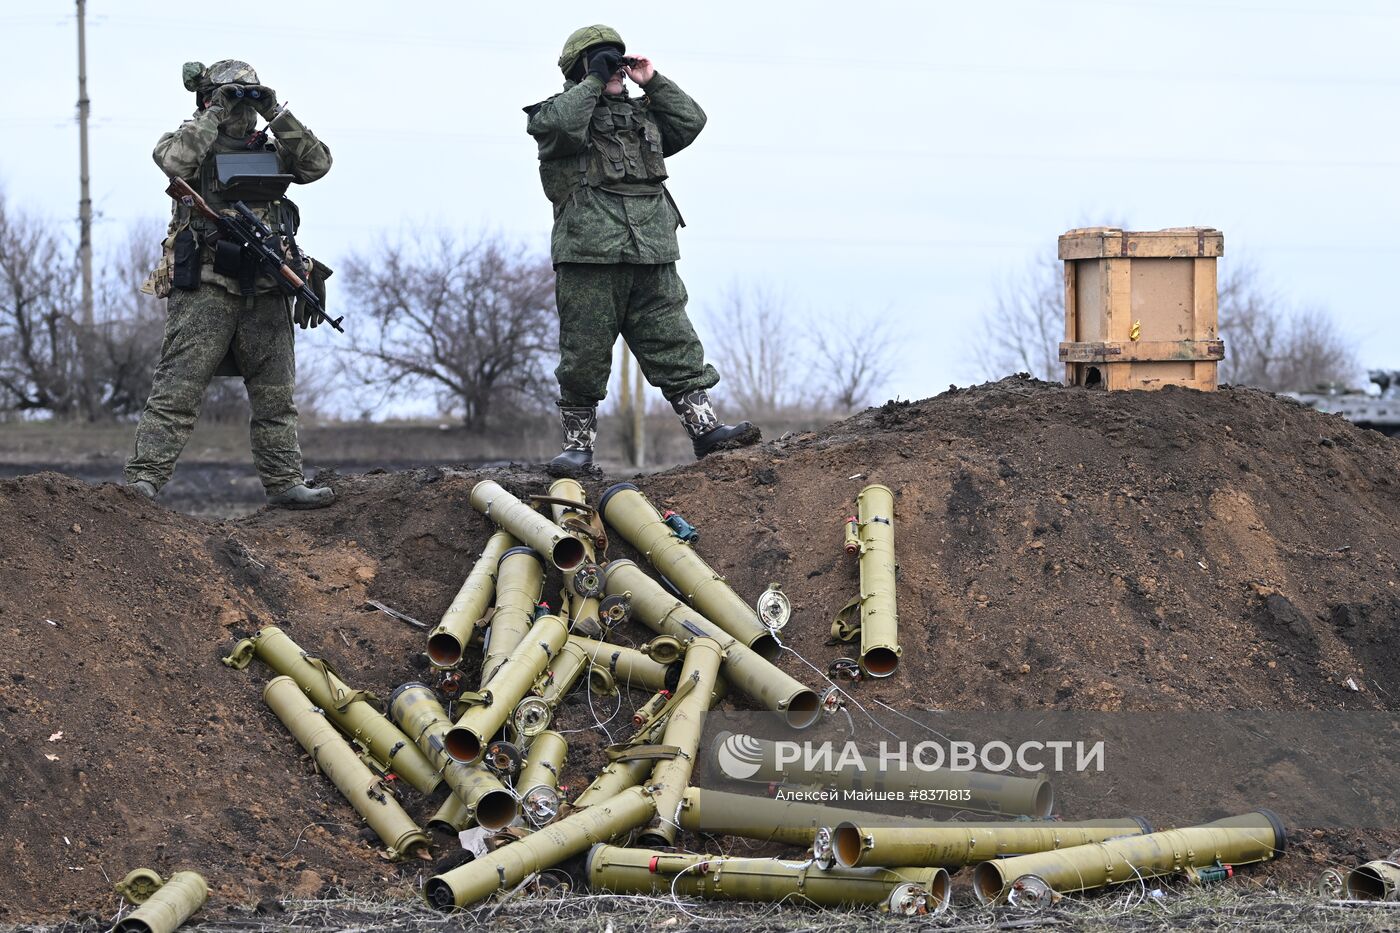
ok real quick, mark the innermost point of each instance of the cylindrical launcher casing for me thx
(334, 758)
(644, 871)
(687, 720)
(1373, 881)
(1240, 840)
(795, 822)
(974, 791)
(628, 667)
(857, 846)
(625, 508)
(616, 777)
(448, 642)
(528, 526)
(743, 668)
(538, 783)
(466, 740)
(519, 584)
(563, 674)
(347, 708)
(417, 711)
(583, 610)
(172, 904)
(452, 817)
(879, 617)
(507, 866)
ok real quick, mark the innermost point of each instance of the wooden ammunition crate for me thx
(1140, 308)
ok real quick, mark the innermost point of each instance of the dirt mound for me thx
(1059, 548)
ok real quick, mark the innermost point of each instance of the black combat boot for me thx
(706, 431)
(580, 431)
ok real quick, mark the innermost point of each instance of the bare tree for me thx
(1027, 323)
(854, 356)
(1274, 347)
(755, 347)
(472, 322)
(39, 351)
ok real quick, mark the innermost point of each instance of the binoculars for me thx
(241, 91)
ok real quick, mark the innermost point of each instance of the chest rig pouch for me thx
(248, 176)
(624, 149)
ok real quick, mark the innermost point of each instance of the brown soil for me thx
(1059, 548)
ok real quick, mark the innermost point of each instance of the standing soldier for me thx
(224, 315)
(614, 242)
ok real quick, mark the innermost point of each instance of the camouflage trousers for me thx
(645, 304)
(201, 326)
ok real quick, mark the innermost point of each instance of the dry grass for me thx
(1222, 907)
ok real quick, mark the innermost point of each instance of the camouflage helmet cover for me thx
(580, 40)
(225, 71)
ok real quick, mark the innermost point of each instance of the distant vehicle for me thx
(1380, 412)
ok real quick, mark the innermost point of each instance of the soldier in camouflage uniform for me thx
(602, 162)
(224, 316)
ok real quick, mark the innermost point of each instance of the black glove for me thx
(224, 97)
(604, 63)
(263, 99)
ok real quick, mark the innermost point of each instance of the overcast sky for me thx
(875, 157)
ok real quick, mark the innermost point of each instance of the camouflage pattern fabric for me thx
(200, 327)
(645, 304)
(186, 153)
(603, 215)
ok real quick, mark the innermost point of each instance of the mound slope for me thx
(1059, 548)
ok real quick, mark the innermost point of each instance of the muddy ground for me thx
(1059, 548)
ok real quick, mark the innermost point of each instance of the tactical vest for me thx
(265, 193)
(623, 153)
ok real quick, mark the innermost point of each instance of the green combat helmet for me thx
(580, 40)
(227, 71)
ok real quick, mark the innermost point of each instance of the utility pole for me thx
(85, 203)
(639, 424)
(85, 218)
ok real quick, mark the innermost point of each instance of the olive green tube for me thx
(534, 714)
(615, 778)
(687, 720)
(974, 791)
(365, 790)
(538, 783)
(1252, 837)
(467, 738)
(858, 846)
(879, 617)
(625, 666)
(507, 866)
(519, 584)
(417, 711)
(743, 668)
(347, 708)
(1374, 881)
(795, 822)
(528, 526)
(583, 610)
(448, 642)
(645, 871)
(625, 508)
(452, 817)
(172, 904)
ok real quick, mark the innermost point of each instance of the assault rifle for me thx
(247, 230)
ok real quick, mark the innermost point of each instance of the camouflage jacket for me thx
(188, 153)
(602, 164)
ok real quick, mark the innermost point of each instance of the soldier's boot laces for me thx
(302, 496)
(580, 424)
(144, 488)
(707, 432)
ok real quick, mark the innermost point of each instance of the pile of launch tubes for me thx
(498, 762)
